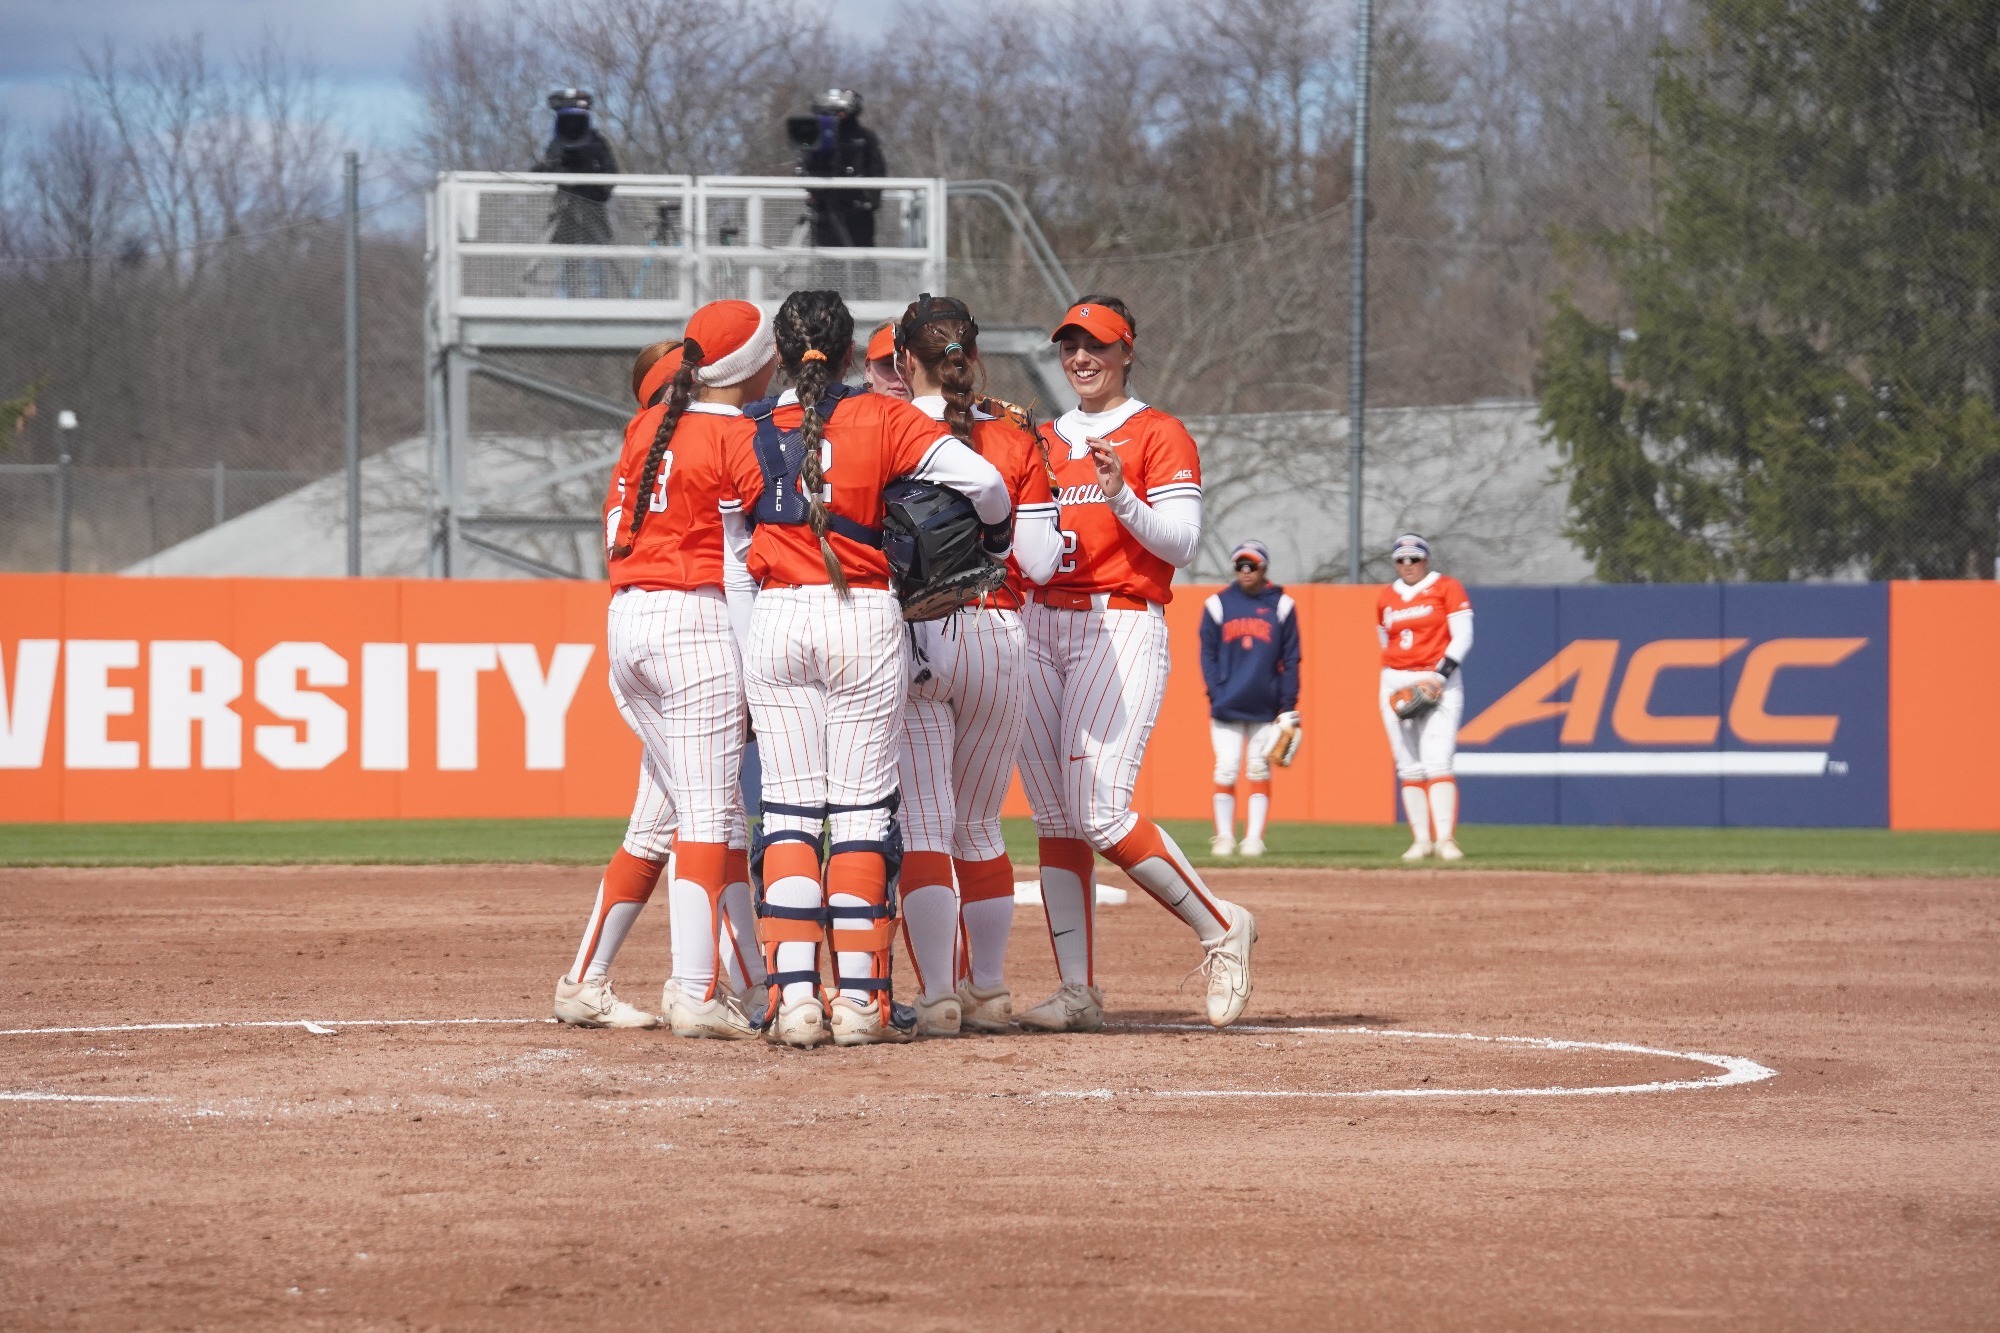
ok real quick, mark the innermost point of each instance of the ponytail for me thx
(813, 375)
(807, 325)
(680, 392)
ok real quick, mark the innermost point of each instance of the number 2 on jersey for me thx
(1068, 565)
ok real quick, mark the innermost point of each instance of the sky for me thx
(362, 46)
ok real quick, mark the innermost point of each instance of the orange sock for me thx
(986, 920)
(930, 920)
(627, 884)
(1152, 858)
(695, 900)
(1069, 900)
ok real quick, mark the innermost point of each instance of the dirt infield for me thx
(516, 1174)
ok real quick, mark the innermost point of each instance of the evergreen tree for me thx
(1804, 377)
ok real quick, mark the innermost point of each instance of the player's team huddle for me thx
(764, 553)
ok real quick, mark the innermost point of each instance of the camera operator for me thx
(832, 142)
(581, 215)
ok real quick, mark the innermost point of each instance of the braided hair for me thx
(680, 392)
(944, 345)
(815, 335)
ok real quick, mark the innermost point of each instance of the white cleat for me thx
(861, 1022)
(1228, 968)
(1222, 845)
(982, 1010)
(1251, 847)
(593, 1004)
(1418, 851)
(1448, 851)
(801, 1024)
(1074, 1008)
(722, 1017)
(942, 1017)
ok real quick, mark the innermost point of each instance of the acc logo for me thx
(1589, 664)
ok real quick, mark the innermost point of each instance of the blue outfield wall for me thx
(1731, 704)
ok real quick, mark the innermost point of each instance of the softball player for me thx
(826, 672)
(1250, 664)
(1424, 620)
(676, 674)
(962, 725)
(878, 368)
(1128, 483)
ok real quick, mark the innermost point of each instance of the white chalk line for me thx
(1735, 1070)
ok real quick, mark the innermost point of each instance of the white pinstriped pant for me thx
(1425, 747)
(826, 680)
(1096, 680)
(678, 678)
(962, 732)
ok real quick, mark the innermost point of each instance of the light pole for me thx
(65, 423)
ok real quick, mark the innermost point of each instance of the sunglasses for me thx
(1242, 565)
(1404, 560)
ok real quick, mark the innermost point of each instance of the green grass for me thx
(589, 841)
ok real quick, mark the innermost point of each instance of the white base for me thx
(1030, 891)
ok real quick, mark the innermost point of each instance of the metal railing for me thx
(510, 247)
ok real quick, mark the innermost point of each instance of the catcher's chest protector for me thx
(781, 455)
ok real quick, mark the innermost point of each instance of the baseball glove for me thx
(1285, 745)
(938, 549)
(1413, 701)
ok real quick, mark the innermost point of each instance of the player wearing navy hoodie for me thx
(1250, 663)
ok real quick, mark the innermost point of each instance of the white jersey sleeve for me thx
(1170, 527)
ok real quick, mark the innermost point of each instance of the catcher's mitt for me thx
(1413, 701)
(1285, 745)
(936, 549)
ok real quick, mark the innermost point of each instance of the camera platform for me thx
(533, 262)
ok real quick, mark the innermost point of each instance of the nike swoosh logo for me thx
(1078, 758)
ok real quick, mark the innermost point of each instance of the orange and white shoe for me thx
(864, 1023)
(801, 1024)
(1228, 968)
(721, 1017)
(593, 1004)
(942, 1017)
(1074, 1008)
(982, 1010)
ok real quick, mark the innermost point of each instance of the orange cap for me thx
(658, 374)
(882, 345)
(1100, 322)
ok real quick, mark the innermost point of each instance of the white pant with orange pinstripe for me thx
(962, 732)
(1096, 680)
(677, 675)
(826, 679)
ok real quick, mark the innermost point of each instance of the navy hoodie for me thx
(1250, 654)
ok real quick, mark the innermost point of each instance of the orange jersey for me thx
(680, 543)
(1416, 627)
(871, 439)
(1099, 555)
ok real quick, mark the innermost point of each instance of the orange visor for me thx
(883, 345)
(1100, 322)
(657, 376)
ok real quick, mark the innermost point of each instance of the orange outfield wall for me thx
(215, 699)
(1944, 725)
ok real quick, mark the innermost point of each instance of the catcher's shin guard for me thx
(865, 871)
(783, 856)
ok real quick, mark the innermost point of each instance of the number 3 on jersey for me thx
(659, 504)
(1406, 638)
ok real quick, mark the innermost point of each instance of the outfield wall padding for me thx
(126, 699)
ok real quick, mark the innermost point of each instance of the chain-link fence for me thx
(1658, 290)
